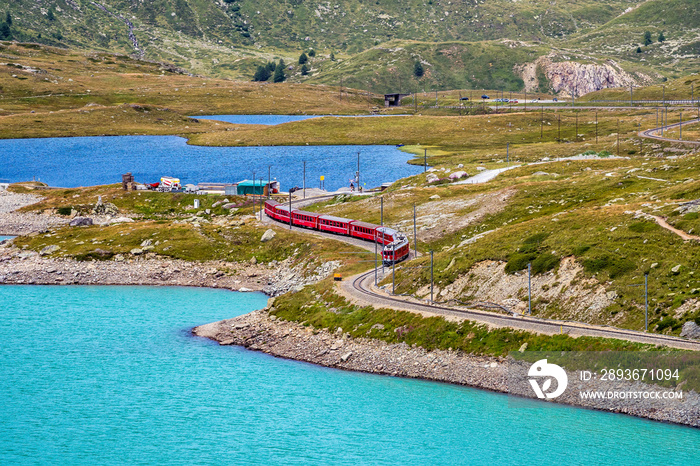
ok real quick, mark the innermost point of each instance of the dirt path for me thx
(664, 224)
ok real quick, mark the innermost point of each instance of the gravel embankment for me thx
(16, 223)
(261, 331)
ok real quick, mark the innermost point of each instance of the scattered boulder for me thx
(81, 222)
(457, 175)
(136, 251)
(691, 330)
(267, 236)
(49, 250)
(105, 209)
(346, 356)
(676, 269)
(146, 243)
(253, 260)
(434, 197)
(121, 220)
(432, 178)
(229, 206)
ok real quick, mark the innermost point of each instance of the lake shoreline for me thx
(261, 331)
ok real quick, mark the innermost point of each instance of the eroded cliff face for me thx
(574, 78)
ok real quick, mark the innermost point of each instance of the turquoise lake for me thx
(112, 375)
(88, 161)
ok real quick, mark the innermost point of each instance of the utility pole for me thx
(261, 197)
(596, 127)
(269, 181)
(381, 215)
(393, 268)
(415, 235)
(559, 126)
(431, 277)
(255, 199)
(358, 172)
(680, 127)
(541, 121)
(436, 98)
(663, 98)
(641, 141)
(646, 302)
(290, 210)
(529, 288)
(618, 137)
(631, 101)
(304, 182)
(425, 160)
(508, 154)
(692, 97)
(375, 260)
(576, 138)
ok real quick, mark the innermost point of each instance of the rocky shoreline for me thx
(261, 331)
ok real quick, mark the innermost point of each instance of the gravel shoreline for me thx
(260, 331)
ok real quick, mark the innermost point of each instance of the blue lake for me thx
(87, 161)
(274, 119)
(257, 119)
(111, 375)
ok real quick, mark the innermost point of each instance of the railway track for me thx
(358, 288)
(652, 133)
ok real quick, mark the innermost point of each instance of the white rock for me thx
(267, 236)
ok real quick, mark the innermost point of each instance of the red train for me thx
(396, 246)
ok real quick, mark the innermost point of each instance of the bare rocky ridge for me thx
(260, 331)
(574, 78)
(583, 299)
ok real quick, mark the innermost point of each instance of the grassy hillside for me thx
(678, 20)
(389, 67)
(231, 37)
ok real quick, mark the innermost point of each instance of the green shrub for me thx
(691, 216)
(544, 263)
(537, 238)
(518, 261)
(64, 210)
(581, 249)
(641, 227)
(666, 323)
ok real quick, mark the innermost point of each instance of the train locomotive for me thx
(395, 245)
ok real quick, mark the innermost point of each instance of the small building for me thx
(128, 182)
(393, 100)
(257, 188)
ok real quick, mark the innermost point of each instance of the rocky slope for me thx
(261, 331)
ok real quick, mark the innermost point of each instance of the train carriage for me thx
(334, 224)
(363, 230)
(305, 219)
(395, 245)
(270, 209)
(386, 235)
(282, 213)
(396, 251)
